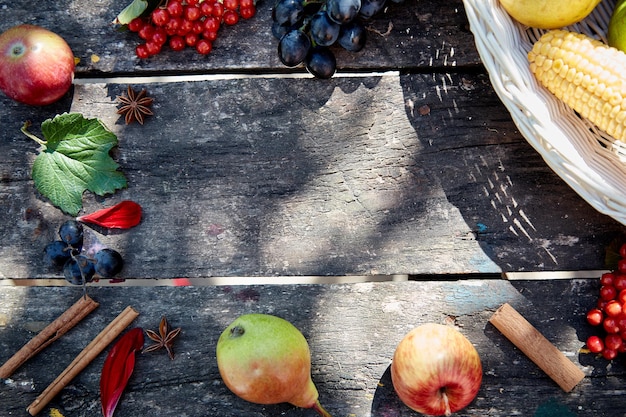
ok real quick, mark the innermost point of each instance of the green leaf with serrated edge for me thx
(133, 10)
(75, 158)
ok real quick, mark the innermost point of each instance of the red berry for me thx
(204, 46)
(621, 322)
(610, 325)
(135, 24)
(142, 51)
(619, 282)
(208, 35)
(243, 4)
(185, 27)
(206, 7)
(621, 297)
(175, 8)
(177, 43)
(173, 24)
(613, 342)
(595, 317)
(231, 17)
(609, 354)
(621, 266)
(608, 292)
(231, 4)
(218, 9)
(211, 24)
(607, 278)
(198, 27)
(153, 47)
(247, 12)
(146, 32)
(191, 39)
(160, 16)
(595, 344)
(192, 13)
(159, 36)
(613, 308)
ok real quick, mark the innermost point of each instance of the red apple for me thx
(36, 65)
(436, 370)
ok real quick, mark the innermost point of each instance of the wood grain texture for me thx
(422, 35)
(352, 330)
(301, 177)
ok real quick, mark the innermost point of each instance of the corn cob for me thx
(586, 74)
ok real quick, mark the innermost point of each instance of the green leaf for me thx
(133, 10)
(74, 158)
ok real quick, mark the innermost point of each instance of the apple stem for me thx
(30, 135)
(446, 402)
(320, 410)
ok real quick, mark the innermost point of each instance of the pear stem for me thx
(320, 410)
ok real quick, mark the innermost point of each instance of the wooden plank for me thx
(352, 329)
(352, 176)
(423, 35)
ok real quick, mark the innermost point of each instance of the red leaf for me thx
(117, 369)
(123, 215)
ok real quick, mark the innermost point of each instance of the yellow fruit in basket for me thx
(549, 14)
(617, 27)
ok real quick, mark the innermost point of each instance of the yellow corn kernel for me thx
(586, 74)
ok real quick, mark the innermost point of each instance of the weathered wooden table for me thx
(404, 164)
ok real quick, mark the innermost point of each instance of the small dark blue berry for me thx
(71, 232)
(56, 254)
(108, 263)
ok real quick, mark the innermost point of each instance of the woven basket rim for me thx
(591, 162)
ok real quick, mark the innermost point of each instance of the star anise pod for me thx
(135, 106)
(164, 339)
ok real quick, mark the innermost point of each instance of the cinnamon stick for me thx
(539, 349)
(89, 353)
(49, 334)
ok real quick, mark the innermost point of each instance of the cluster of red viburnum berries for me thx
(610, 312)
(189, 23)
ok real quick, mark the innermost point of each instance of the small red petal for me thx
(123, 215)
(117, 369)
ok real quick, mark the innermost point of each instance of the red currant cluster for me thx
(610, 312)
(188, 23)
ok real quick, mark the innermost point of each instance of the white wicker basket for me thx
(590, 161)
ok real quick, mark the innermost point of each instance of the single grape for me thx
(352, 36)
(613, 342)
(108, 262)
(71, 232)
(595, 344)
(619, 282)
(73, 267)
(56, 254)
(288, 12)
(369, 8)
(613, 308)
(609, 354)
(607, 278)
(293, 48)
(321, 62)
(610, 325)
(323, 31)
(343, 11)
(608, 292)
(595, 317)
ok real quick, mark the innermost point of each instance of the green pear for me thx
(265, 359)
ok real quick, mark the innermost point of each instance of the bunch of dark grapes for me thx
(67, 255)
(610, 312)
(306, 30)
(190, 23)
